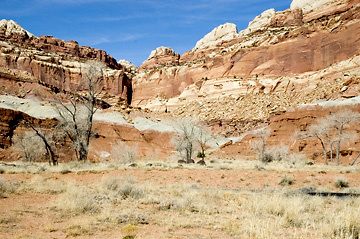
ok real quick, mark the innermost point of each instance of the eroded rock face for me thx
(55, 63)
(227, 31)
(309, 5)
(161, 56)
(287, 18)
(49, 43)
(260, 22)
(10, 29)
(289, 43)
(150, 144)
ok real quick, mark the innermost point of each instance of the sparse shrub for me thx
(259, 167)
(77, 200)
(125, 188)
(2, 171)
(78, 230)
(130, 190)
(286, 180)
(278, 153)
(213, 161)
(6, 187)
(267, 158)
(341, 183)
(123, 153)
(30, 146)
(132, 219)
(65, 171)
(129, 231)
(166, 205)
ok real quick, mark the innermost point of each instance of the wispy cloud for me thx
(98, 40)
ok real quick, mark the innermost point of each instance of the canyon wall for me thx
(286, 43)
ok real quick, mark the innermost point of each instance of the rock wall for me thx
(145, 144)
(56, 63)
(288, 43)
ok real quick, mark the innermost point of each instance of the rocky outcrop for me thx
(260, 22)
(160, 57)
(12, 30)
(49, 43)
(225, 32)
(130, 67)
(55, 63)
(287, 44)
(309, 5)
(287, 19)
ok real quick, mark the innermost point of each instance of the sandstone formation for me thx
(11, 29)
(309, 5)
(147, 143)
(161, 56)
(55, 63)
(130, 67)
(234, 82)
(225, 32)
(288, 46)
(260, 22)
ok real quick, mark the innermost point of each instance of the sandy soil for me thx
(27, 214)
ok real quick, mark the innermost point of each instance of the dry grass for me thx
(6, 187)
(121, 205)
(292, 164)
(44, 185)
(77, 200)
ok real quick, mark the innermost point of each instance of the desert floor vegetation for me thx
(224, 199)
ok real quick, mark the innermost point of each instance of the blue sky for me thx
(131, 29)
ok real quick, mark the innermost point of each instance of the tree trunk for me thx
(338, 145)
(51, 155)
(324, 148)
(356, 158)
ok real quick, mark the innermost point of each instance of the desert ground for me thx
(227, 198)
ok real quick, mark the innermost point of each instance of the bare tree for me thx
(319, 131)
(203, 136)
(260, 145)
(76, 116)
(185, 141)
(356, 158)
(330, 130)
(338, 121)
